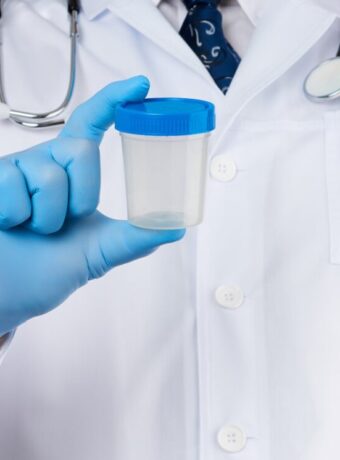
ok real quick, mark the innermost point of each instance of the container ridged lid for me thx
(166, 117)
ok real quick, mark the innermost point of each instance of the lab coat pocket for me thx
(332, 146)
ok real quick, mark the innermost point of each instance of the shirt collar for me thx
(93, 8)
(252, 8)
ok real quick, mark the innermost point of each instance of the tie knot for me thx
(190, 3)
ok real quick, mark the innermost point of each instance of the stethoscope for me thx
(321, 84)
(46, 119)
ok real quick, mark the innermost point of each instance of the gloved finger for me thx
(48, 186)
(91, 119)
(80, 159)
(135, 242)
(15, 203)
(118, 242)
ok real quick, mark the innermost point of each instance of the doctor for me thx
(226, 344)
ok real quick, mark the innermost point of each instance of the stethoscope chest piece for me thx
(323, 82)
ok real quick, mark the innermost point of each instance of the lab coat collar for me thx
(284, 34)
(252, 8)
(145, 17)
(148, 20)
(286, 31)
(331, 5)
(92, 8)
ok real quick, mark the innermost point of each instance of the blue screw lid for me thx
(166, 117)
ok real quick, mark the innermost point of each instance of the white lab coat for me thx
(146, 363)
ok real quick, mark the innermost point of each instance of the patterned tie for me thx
(202, 30)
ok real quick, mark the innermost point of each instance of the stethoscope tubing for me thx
(48, 119)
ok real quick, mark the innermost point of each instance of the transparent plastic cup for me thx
(165, 172)
(165, 179)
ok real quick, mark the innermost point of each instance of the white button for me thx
(223, 168)
(231, 438)
(229, 296)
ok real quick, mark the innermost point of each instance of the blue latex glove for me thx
(52, 239)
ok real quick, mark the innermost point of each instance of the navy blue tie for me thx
(203, 32)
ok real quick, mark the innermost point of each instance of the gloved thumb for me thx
(115, 242)
(91, 119)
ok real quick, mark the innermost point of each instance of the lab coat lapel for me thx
(283, 35)
(145, 17)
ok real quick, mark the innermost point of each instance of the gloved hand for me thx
(52, 239)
